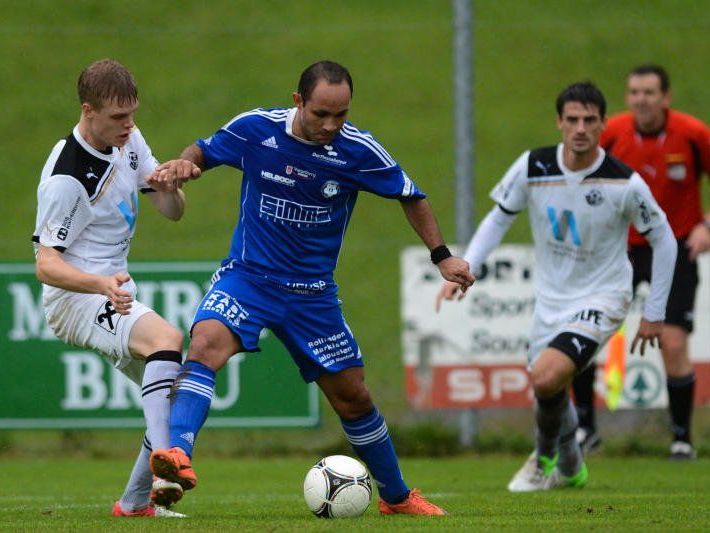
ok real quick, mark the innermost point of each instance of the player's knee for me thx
(209, 350)
(545, 383)
(353, 404)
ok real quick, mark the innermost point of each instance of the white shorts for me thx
(595, 319)
(89, 321)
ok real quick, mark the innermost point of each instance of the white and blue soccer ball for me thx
(337, 487)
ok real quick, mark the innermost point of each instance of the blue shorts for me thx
(305, 316)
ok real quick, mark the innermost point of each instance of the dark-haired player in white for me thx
(87, 206)
(580, 202)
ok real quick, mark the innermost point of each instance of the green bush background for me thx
(200, 63)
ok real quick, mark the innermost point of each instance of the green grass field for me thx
(266, 495)
(197, 65)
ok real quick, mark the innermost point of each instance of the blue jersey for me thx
(297, 197)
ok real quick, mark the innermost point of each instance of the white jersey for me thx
(88, 202)
(580, 223)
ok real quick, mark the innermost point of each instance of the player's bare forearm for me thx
(421, 217)
(169, 204)
(193, 153)
(52, 269)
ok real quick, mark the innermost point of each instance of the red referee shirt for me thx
(671, 162)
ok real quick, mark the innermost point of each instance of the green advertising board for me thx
(45, 383)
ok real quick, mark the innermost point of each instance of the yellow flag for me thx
(615, 368)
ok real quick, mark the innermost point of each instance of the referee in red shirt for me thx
(671, 151)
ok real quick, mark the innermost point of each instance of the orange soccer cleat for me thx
(173, 465)
(414, 504)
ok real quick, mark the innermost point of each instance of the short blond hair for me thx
(104, 81)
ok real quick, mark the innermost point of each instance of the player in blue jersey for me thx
(303, 168)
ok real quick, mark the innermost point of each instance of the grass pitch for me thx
(266, 495)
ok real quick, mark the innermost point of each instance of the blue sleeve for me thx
(226, 146)
(392, 182)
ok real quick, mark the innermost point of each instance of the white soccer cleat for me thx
(682, 451)
(534, 476)
(165, 493)
(162, 512)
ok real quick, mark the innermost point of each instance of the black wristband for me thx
(440, 253)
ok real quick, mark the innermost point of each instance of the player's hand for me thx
(648, 332)
(698, 241)
(449, 290)
(121, 300)
(456, 270)
(171, 175)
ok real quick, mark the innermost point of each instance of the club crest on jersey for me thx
(330, 188)
(133, 160)
(594, 197)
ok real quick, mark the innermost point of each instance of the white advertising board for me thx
(472, 353)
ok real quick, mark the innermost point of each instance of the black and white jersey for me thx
(87, 201)
(579, 220)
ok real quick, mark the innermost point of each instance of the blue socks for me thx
(371, 441)
(191, 399)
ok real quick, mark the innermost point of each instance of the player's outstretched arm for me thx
(487, 237)
(421, 217)
(52, 269)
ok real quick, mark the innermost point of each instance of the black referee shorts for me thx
(681, 300)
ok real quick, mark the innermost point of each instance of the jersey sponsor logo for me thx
(278, 179)
(330, 188)
(299, 172)
(133, 160)
(589, 315)
(330, 156)
(107, 317)
(293, 213)
(63, 231)
(594, 197)
(270, 142)
(226, 306)
(560, 226)
(299, 287)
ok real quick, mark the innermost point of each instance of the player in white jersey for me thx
(580, 203)
(87, 206)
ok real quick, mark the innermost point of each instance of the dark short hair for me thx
(332, 72)
(106, 80)
(584, 92)
(657, 70)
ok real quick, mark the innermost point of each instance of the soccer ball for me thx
(337, 487)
